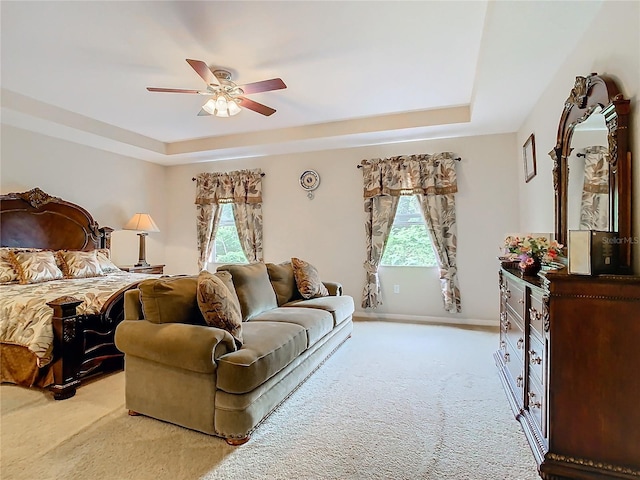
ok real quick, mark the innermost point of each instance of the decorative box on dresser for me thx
(569, 360)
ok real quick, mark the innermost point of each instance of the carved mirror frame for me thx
(587, 95)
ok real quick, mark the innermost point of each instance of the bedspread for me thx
(25, 318)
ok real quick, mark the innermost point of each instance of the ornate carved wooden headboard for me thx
(38, 220)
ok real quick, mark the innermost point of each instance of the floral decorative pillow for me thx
(218, 304)
(8, 273)
(35, 267)
(78, 264)
(104, 259)
(308, 280)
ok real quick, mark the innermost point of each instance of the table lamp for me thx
(143, 223)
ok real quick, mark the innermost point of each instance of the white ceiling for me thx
(358, 73)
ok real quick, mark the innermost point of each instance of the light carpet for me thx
(396, 401)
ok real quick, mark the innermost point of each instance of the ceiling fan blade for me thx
(255, 106)
(171, 90)
(205, 72)
(263, 86)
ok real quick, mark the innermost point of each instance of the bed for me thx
(61, 297)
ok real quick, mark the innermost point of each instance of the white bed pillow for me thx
(104, 259)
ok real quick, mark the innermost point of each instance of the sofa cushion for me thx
(315, 321)
(268, 348)
(307, 279)
(341, 307)
(218, 305)
(171, 300)
(283, 282)
(253, 288)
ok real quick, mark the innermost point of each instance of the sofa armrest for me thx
(190, 347)
(335, 288)
(132, 305)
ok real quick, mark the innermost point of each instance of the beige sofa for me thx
(184, 372)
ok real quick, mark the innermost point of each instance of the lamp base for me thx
(142, 261)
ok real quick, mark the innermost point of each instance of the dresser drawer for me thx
(535, 357)
(537, 312)
(515, 367)
(536, 403)
(513, 331)
(514, 296)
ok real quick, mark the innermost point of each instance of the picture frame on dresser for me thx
(529, 158)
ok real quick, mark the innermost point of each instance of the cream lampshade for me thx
(143, 223)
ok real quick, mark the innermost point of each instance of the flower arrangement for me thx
(532, 250)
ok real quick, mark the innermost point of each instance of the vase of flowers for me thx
(532, 252)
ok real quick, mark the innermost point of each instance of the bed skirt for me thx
(18, 365)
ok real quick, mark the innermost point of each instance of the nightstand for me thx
(143, 269)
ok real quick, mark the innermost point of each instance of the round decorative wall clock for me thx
(309, 181)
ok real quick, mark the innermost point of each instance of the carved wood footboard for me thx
(84, 344)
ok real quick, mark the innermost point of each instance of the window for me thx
(408, 243)
(227, 247)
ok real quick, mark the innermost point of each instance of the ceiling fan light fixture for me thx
(221, 103)
(210, 106)
(221, 106)
(234, 109)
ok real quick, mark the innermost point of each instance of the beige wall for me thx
(612, 47)
(111, 187)
(328, 231)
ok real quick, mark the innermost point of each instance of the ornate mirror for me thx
(592, 163)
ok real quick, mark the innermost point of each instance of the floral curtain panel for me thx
(594, 209)
(380, 211)
(243, 188)
(432, 178)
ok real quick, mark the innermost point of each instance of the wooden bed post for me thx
(67, 347)
(105, 237)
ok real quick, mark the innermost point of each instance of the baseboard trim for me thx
(399, 318)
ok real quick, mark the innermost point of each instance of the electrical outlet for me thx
(396, 289)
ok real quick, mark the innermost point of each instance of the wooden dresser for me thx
(569, 360)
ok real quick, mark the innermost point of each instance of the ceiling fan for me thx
(226, 96)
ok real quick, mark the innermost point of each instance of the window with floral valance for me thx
(241, 188)
(432, 179)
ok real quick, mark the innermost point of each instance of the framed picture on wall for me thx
(529, 157)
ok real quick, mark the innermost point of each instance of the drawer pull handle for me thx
(503, 344)
(506, 326)
(520, 344)
(533, 404)
(519, 381)
(535, 359)
(520, 301)
(507, 293)
(506, 358)
(534, 314)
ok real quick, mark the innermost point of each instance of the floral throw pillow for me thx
(35, 267)
(8, 273)
(78, 264)
(307, 279)
(104, 259)
(218, 304)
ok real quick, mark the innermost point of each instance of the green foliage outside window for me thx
(227, 246)
(408, 243)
